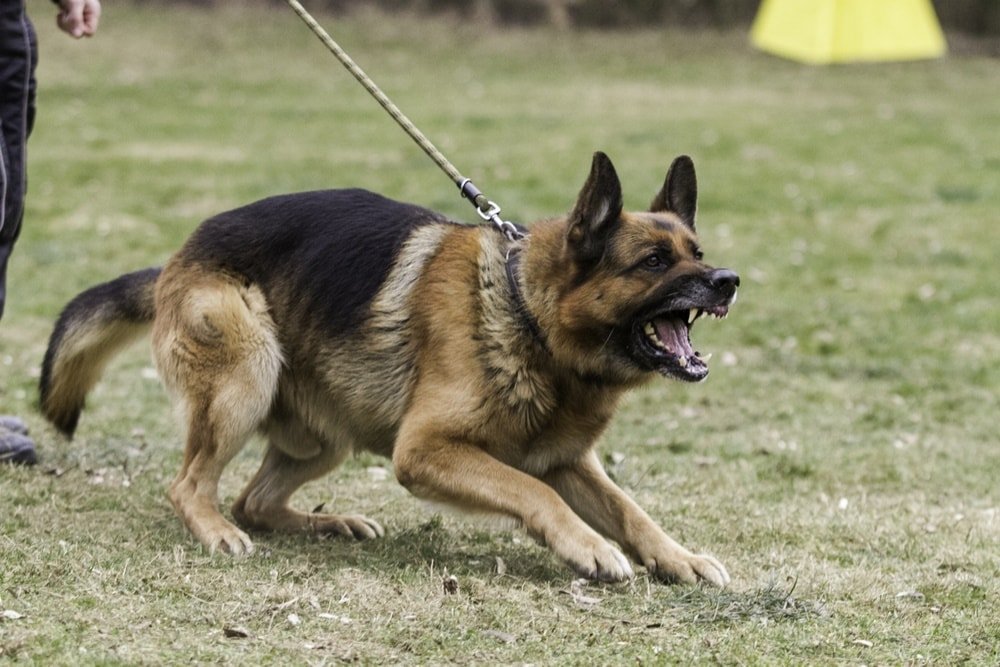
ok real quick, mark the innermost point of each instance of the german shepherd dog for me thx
(485, 368)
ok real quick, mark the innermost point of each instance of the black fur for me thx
(330, 249)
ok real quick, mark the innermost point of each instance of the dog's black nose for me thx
(724, 278)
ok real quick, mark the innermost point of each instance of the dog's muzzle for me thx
(662, 341)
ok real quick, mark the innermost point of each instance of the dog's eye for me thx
(654, 261)
(698, 254)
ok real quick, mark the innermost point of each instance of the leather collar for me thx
(513, 266)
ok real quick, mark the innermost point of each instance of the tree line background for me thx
(976, 17)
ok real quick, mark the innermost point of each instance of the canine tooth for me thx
(692, 316)
(682, 361)
(650, 331)
(706, 357)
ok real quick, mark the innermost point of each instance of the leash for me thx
(487, 210)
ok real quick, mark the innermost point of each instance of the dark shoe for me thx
(17, 449)
(13, 424)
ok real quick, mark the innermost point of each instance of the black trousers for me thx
(18, 55)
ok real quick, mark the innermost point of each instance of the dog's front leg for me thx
(437, 467)
(598, 500)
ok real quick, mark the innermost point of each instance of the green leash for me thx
(486, 209)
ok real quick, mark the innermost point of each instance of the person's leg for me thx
(18, 54)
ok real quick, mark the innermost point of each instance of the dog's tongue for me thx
(673, 333)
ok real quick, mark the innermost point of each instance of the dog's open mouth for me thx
(665, 342)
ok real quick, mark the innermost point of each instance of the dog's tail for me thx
(92, 328)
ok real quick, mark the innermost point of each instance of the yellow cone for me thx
(836, 31)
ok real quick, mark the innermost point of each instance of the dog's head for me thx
(635, 283)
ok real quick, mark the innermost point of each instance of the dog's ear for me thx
(597, 210)
(680, 192)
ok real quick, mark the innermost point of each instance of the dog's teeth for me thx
(706, 358)
(692, 316)
(653, 337)
(682, 361)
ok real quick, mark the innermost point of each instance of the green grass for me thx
(842, 459)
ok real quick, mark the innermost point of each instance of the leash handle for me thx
(486, 209)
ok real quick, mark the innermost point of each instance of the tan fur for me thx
(216, 350)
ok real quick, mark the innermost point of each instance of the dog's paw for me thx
(596, 559)
(349, 525)
(690, 568)
(224, 537)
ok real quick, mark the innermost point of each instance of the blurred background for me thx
(977, 18)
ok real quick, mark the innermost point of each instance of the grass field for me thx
(842, 459)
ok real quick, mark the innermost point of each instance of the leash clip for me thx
(509, 229)
(492, 211)
(489, 211)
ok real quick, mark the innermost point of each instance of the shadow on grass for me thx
(429, 546)
(434, 548)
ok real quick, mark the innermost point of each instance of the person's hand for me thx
(79, 18)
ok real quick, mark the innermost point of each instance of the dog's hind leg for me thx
(194, 492)
(217, 351)
(263, 504)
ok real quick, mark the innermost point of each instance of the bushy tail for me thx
(92, 328)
